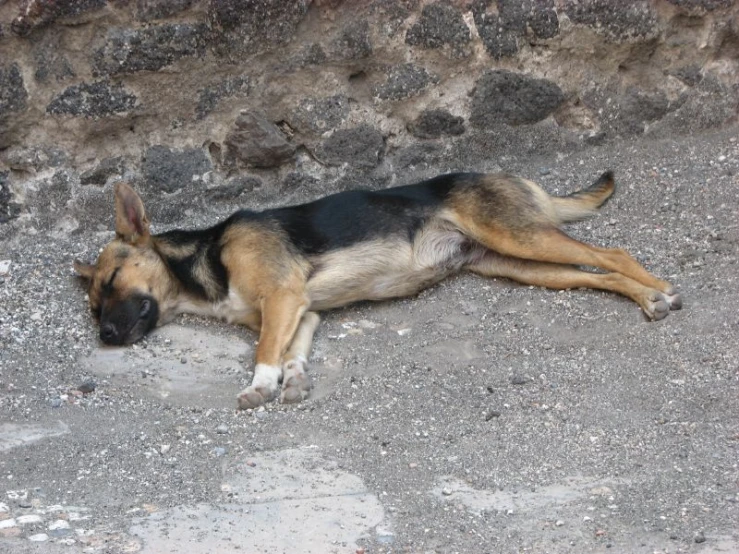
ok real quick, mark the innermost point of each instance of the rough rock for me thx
(97, 99)
(440, 25)
(436, 123)
(318, 115)
(103, 171)
(257, 142)
(512, 98)
(211, 96)
(168, 170)
(149, 10)
(37, 13)
(149, 49)
(354, 43)
(622, 21)
(13, 94)
(360, 146)
(8, 208)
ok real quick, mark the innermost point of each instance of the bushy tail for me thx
(585, 203)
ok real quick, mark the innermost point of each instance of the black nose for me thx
(108, 332)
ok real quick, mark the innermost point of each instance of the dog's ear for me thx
(131, 223)
(86, 271)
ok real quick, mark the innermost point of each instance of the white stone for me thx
(29, 518)
(58, 524)
(7, 523)
(40, 537)
(4, 267)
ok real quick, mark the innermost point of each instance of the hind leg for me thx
(559, 276)
(554, 246)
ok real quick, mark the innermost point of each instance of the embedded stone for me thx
(404, 81)
(512, 98)
(359, 147)
(436, 123)
(255, 141)
(96, 99)
(169, 170)
(13, 94)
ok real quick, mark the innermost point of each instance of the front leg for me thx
(295, 381)
(281, 313)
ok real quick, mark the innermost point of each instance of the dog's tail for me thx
(585, 203)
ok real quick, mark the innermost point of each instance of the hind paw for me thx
(656, 306)
(253, 397)
(673, 298)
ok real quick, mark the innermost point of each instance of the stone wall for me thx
(244, 101)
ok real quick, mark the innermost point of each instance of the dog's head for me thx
(129, 282)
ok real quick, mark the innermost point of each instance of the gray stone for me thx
(354, 42)
(440, 25)
(8, 208)
(247, 27)
(50, 59)
(98, 99)
(312, 54)
(234, 188)
(257, 142)
(404, 81)
(436, 123)
(148, 49)
(13, 93)
(416, 155)
(499, 41)
(701, 6)
(169, 170)
(617, 21)
(512, 98)
(318, 115)
(360, 146)
(149, 10)
(211, 96)
(100, 174)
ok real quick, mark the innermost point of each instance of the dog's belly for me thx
(386, 268)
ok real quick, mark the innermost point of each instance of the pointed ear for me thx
(131, 223)
(86, 271)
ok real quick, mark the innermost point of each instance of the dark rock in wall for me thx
(354, 43)
(257, 142)
(512, 98)
(149, 10)
(312, 54)
(97, 99)
(361, 146)
(100, 174)
(169, 170)
(13, 95)
(246, 27)
(436, 123)
(318, 115)
(212, 95)
(625, 113)
(502, 28)
(440, 25)
(36, 13)
(149, 49)
(618, 21)
(8, 209)
(404, 81)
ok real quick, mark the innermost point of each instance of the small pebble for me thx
(55, 402)
(218, 451)
(559, 523)
(446, 491)
(491, 414)
(519, 380)
(699, 537)
(58, 524)
(222, 429)
(39, 537)
(87, 387)
(28, 519)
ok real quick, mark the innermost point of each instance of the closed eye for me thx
(108, 287)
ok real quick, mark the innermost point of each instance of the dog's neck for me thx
(193, 259)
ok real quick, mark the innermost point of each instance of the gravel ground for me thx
(480, 416)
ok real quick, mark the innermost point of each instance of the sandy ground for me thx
(480, 416)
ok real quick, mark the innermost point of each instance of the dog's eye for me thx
(144, 308)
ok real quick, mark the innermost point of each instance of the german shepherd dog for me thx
(274, 270)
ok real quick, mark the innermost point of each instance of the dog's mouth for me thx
(129, 321)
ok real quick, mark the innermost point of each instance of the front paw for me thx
(253, 397)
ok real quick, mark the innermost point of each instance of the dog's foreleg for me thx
(281, 314)
(295, 381)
